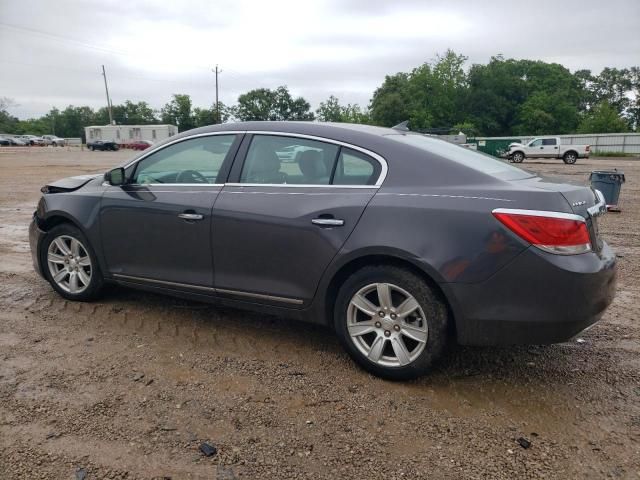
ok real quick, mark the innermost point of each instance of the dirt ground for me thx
(130, 386)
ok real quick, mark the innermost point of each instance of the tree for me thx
(8, 123)
(391, 104)
(179, 112)
(331, 111)
(266, 104)
(603, 118)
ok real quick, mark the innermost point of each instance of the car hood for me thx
(516, 144)
(69, 184)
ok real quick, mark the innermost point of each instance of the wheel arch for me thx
(388, 258)
(571, 151)
(57, 218)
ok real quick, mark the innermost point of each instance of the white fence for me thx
(600, 142)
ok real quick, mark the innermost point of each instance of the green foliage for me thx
(331, 111)
(266, 104)
(179, 112)
(603, 118)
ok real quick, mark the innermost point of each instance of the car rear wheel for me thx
(570, 158)
(69, 264)
(517, 157)
(391, 322)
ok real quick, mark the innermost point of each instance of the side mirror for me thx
(115, 177)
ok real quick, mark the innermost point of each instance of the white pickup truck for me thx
(547, 147)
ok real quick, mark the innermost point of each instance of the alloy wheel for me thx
(69, 264)
(387, 325)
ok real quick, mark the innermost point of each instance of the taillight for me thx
(554, 232)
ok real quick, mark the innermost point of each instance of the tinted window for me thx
(192, 161)
(548, 141)
(288, 160)
(355, 168)
(475, 160)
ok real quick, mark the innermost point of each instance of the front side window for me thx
(275, 159)
(197, 160)
(536, 143)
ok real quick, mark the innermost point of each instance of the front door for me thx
(292, 205)
(158, 226)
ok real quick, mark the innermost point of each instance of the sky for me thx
(51, 52)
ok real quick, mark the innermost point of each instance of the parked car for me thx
(547, 147)
(17, 142)
(399, 241)
(103, 145)
(5, 142)
(31, 139)
(140, 145)
(53, 140)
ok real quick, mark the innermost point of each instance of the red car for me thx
(140, 144)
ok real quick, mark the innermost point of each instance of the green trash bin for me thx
(609, 182)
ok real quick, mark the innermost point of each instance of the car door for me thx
(283, 217)
(549, 147)
(157, 227)
(535, 149)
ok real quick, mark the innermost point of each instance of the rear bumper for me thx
(35, 238)
(539, 298)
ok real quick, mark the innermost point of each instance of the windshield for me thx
(469, 158)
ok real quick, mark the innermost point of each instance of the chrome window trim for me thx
(298, 185)
(380, 159)
(540, 213)
(150, 151)
(262, 296)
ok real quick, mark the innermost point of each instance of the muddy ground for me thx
(129, 387)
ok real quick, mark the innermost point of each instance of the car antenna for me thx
(402, 126)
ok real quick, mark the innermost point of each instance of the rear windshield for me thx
(469, 158)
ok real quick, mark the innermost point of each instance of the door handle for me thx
(328, 222)
(191, 216)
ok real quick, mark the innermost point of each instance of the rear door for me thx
(157, 228)
(550, 148)
(291, 204)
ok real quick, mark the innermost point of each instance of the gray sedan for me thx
(398, 241)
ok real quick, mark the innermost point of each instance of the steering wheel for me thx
(191, 176)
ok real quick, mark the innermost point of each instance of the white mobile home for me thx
(124, 134)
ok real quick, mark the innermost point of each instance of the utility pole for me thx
(104, 74)
(217, 71)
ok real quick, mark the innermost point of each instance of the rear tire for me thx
(404, 330)
(517, 157)
(70, 264)
(570, 158)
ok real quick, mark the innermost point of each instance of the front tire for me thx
(570, 158)
(70, 264)
(517, 157)
(391, 322)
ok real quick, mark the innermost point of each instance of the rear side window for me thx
(548, 141)
(355, 168)
(274, 159)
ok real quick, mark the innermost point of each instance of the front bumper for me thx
(35, 239)
(539, 298)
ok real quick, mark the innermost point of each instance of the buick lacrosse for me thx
(398, 241)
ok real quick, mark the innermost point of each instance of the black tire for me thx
(93, 149)
(570, 158)
(435, 313)
(517, 157)
(94, 287)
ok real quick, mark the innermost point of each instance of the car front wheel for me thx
(69, 264)
(391, 322)
(517, 157)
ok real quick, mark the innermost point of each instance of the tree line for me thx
(501, 98)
